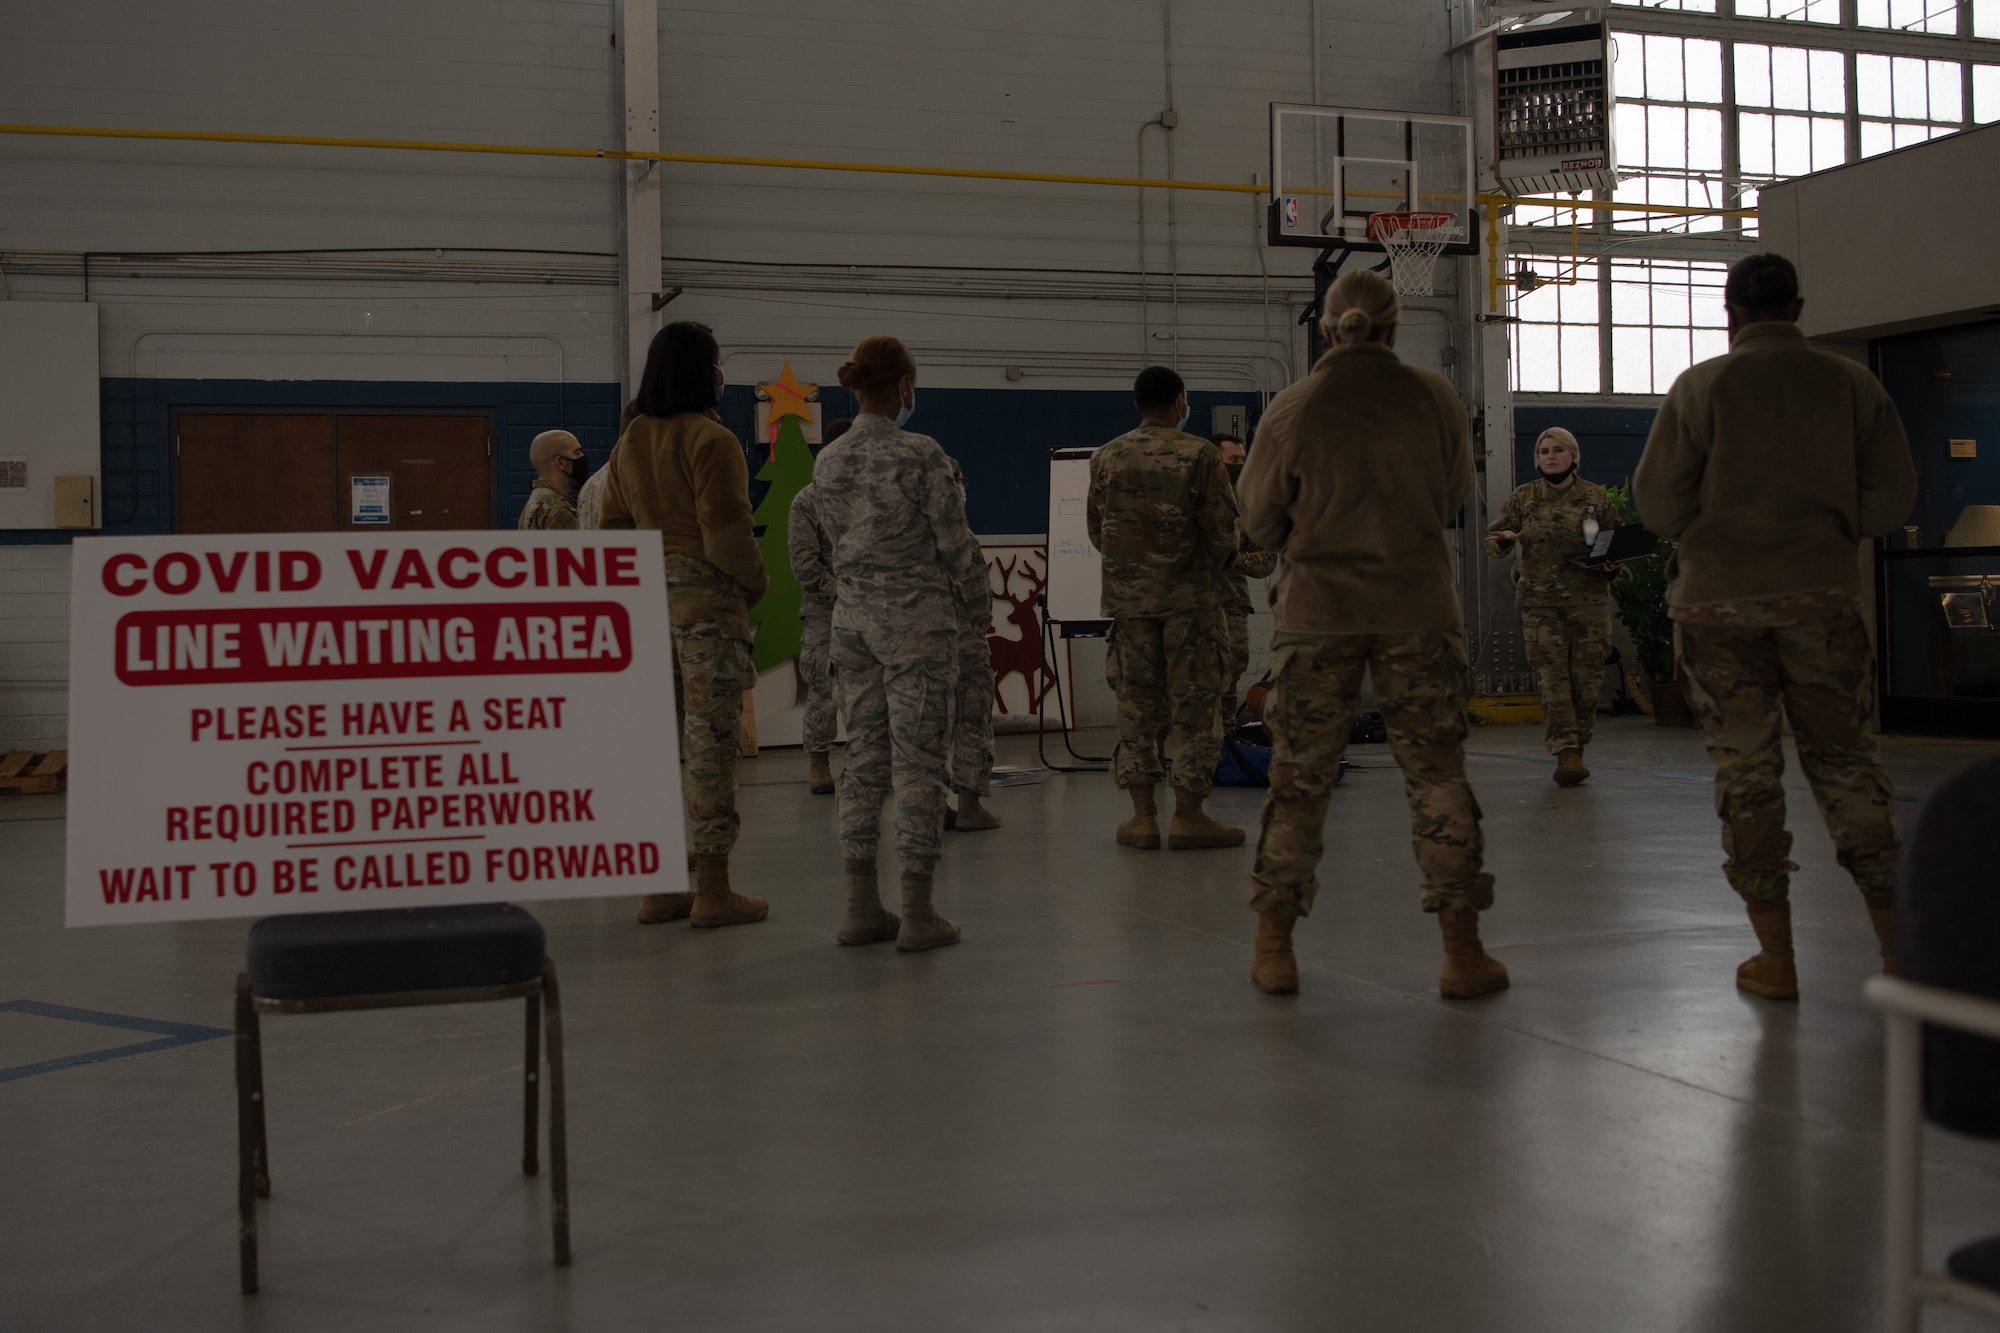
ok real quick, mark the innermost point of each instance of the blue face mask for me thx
(908, 408)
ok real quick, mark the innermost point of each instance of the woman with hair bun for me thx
(679, 471)
(1358, 470)
(1565, 607)
(903, 561)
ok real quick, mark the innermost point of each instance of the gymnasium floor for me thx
(1085, 1117)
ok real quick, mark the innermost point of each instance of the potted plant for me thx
(1640, 590)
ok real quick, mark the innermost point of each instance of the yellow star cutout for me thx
(788, 397)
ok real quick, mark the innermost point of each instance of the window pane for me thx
(1536, 364)
(1754, 141)
(1794, 145)
(1909, 134)
(1947, 92)
(1986, 89)
(1709, 344)
(1628, 66)
(1872, 13)
(1986, 18)
(1872, 73)
(1704, 71)
(1663, 68)
(1631, 361)
(1829, 143)
(1579, 358)
(1685, 6)
(1705, 140)
(1808, 11)
(1629, 303)
(1666, 136)
(1673, 352)
(1876, 138)
(1753, 74)
(1578, 303)
(1631, 135)
(1829, 82)
(1788, 79)
(1671, 304)
(1912, 87)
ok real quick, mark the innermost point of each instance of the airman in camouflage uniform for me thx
(1253, 563)
(560, 468)
(1565, 608)
(972, 711)
(1162, 514)
(903, 561)
(810, 551)
(1768, 466)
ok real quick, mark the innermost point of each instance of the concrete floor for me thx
(1085, 1117)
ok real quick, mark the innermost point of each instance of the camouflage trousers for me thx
(711, 633)
(815, 667)
(972, 709)
(1168, 675)
(1420, 684)
(1567, 646)
(1239, 659)
(1743, 683)
(896, 684)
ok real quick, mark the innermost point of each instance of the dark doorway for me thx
(312, 471)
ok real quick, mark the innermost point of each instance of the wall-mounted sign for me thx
(370, 499)
(318, 722)
(13, 472)
(1965, 448)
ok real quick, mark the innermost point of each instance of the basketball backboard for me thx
(1333, 166)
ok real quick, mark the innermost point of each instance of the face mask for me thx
(1558, 478)
(1185, 416)
(1235, 471)
(908, 408)
(961, 495)
(721, 380)
(579, 468)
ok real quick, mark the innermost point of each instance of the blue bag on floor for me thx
(1245, 760)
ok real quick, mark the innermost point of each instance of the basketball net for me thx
(1414, 242)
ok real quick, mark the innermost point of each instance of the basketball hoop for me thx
(1414, 242)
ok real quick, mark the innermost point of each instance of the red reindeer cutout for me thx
(1022, 654)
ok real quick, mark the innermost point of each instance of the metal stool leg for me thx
(532, 1103)
(246, 1132)
(558, 1122)
(1903, 1170)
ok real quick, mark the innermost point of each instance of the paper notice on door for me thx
(370, 499)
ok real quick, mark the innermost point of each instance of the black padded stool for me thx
(321, 961)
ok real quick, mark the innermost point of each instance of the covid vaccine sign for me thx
(311, 723)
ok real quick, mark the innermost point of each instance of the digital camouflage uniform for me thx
(1255, 563)
(903, 560)
(1420, 686)
(1162, 514)
(810, 566)
(547, 510)
(1750, 665)
(1565, 610)
(710, 615)
(972, 701)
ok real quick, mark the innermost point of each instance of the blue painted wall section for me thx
(1946, 385)
(1001, 437)
(1612, 438)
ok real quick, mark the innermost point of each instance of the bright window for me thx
(1910, 15)
(1666, 315)
(1986, 93)
(1807, 11)
(1685, 6)
(1920, 99)
(1555, 344)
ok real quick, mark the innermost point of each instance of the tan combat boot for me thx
(655, 908)
(922, 927)
(1469, 971)
(1569, 768)
(714, 904)
(1193, 829)
(1143, 828)
(1884, 921)
(1275, 970)
(1773, 973)
(822, 775)
(972, 817)
(866, 921)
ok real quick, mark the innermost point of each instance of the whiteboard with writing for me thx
(299, 722)
(1076, 570)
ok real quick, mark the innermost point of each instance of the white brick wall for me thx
(34, 647)
(1036, 85)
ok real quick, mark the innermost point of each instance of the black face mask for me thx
(579, 468)
(1235, 471)
(1558, 478)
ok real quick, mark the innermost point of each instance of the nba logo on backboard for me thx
(1289, 212)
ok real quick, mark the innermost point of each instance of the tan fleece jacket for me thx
(1357, 470)
(684, 476)
(1769, 465)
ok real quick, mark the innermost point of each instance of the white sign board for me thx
(1076, 570)
(370, 500)
(296, 722)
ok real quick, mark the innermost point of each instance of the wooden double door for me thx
(325, 471)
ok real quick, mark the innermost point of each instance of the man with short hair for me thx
(560, 467)
(1769, 465)
(1162, 514)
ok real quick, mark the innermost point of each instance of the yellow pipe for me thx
(783, 163)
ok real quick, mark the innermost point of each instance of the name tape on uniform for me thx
(307, 723)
